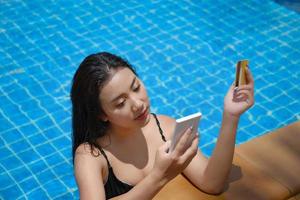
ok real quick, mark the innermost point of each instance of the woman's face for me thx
(124, 100)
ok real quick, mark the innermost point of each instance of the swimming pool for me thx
(184, 51)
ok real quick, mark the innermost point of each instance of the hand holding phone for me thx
(182, 125)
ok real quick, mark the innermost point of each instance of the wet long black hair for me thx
(87, 83)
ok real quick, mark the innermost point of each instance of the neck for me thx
(123, 134)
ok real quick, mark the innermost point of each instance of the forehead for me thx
(118, 83)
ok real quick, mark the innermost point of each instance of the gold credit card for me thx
(240, 77)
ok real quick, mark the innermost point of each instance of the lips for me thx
(143, 115)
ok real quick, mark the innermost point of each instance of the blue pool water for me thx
(185, 52)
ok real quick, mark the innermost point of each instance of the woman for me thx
(120, 149)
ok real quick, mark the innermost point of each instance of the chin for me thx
(146, 121)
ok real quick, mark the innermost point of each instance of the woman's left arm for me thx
(210, 175)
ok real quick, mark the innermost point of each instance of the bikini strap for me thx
(160, 130)
(105, 156)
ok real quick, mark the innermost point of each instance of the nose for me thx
(137, 105)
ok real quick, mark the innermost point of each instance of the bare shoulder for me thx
(88, 167)
(166, 120)
(85, 155)
(85, 148)
(167, 124)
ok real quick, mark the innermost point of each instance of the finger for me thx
(244, 95)
(239, 97)
(243, 92)
(196, 139)
(181, 145)
(190, 153)
(245, 87)
(238, 93)
(191, 139)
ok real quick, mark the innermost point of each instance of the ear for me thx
(103, 117)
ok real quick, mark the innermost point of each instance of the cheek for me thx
(121, 118)
(119, 115)
(112, 114)
(144, 94)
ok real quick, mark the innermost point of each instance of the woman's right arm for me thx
(88, 173)
(167, 165)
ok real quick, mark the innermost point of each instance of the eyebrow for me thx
(131, 85)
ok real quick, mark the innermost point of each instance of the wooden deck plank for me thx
(276, 154)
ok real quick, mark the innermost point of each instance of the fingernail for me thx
(191, 128)
(235, 89)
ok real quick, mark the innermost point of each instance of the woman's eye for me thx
(119, 105)
(136, 88)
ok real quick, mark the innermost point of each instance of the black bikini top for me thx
(114, 187)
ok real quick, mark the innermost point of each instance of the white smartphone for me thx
(182, 125)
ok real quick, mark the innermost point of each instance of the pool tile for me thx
(29, 184)
(20, 174)
(10, 162)
(11, 191)
(44, 149)
(6, 182)
(54, 159)
(37, 166)
(44, 122)
(29, 129)
(242, 136)
(28, 156)
(61, 142)
(38, 194)
(19, 145)
(66, 196)
(52, 133)
(55, 185)
(6, 124)
(208, 149)
(46, 176)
